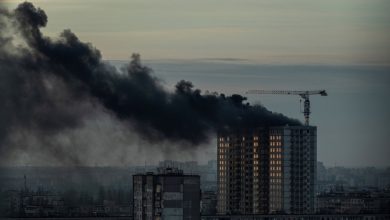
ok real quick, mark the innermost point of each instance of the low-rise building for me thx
(169, 194)
(345, 202)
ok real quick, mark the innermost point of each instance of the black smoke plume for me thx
(50, 85)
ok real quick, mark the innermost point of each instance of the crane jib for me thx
(303, 94)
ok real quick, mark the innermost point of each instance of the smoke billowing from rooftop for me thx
(51, 86)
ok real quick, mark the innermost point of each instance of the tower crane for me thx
(304, 95)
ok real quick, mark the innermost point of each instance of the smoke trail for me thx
(51, 85)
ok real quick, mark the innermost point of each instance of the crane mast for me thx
(303, 94)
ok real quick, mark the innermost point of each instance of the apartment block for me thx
(267, 170)
(169, 194)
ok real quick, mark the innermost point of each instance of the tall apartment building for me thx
(243, 172)
(267, 170)
(169, 194)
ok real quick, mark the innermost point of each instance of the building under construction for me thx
(267, 170)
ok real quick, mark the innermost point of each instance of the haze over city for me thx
(229, 47)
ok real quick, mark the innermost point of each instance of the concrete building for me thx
(169, 194)
(293, 161)
(243, 172)
(267, 170)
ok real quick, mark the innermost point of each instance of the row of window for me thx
(275, 144)
(275, 180)
(275, 174)
(275, 149)
(272, 137)
(223, 145)
(278, 156)
(222, 139)
(272, 168)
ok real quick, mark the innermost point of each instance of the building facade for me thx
(169, 194)
(242, 172)
(267, 170)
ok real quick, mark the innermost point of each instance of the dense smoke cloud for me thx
(52, 85)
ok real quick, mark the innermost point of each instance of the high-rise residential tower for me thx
(267, 170)
(243, 172)
(292, 169)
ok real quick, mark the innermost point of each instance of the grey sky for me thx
(302, 31)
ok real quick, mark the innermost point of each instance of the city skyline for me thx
(195, 110)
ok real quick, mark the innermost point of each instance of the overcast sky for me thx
(301, 31)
